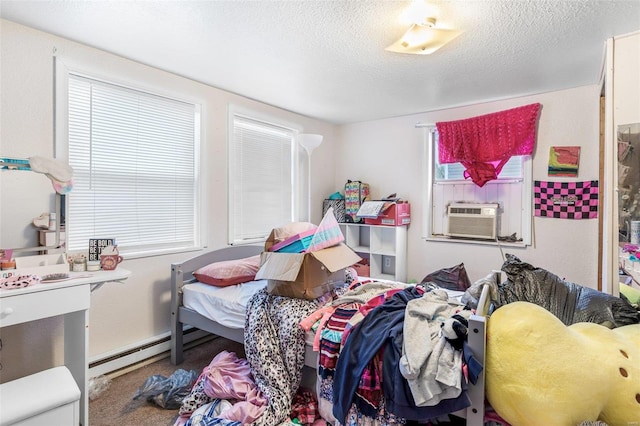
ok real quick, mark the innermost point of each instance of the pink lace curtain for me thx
(484, 144)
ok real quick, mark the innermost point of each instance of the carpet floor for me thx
(116, 406)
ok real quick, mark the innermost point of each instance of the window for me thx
(445, 184)
(513, 169)
(134, 156)
(262, 176)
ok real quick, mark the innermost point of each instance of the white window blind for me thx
(134, 160)
(513, 169)
(261, 178)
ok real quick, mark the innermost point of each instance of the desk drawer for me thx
(43, 304)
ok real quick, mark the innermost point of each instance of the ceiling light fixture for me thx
(423, 38)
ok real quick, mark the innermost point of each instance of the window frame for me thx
(297, 177)
(429, 168)
(64, 67)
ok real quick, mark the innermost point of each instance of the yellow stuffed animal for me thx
(541, 372)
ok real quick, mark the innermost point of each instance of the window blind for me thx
(134, 159)
(455, 171)
(261, 178)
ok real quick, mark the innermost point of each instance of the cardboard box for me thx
(362, 270)
(305, 275)
(393, 214)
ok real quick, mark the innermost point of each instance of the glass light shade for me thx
(423, 40)
(310, 141)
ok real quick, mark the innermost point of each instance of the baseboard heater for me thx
(124, 358)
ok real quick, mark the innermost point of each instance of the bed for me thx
(228, 324)
(189, 309)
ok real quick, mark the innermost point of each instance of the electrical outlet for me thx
(387, 262)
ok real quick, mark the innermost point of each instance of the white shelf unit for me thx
(384, 246)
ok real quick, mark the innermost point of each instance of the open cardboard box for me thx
(305, 275)
(390, 213)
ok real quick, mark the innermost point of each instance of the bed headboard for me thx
(484, 301)
(182, 272)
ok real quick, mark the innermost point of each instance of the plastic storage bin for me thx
(50, 397)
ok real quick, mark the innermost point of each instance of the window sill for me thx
(444, 239)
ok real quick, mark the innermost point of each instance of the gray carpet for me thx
(116, 406)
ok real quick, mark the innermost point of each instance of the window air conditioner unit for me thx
(472, 220)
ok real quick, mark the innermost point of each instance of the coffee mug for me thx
(109, 262)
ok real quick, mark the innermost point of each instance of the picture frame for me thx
(96, 245)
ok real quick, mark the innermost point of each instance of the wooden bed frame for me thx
(182, 273)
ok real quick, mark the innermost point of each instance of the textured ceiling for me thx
(326, 59)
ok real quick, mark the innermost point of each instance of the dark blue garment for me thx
(363, 343)
(475, 368)
(383, 327)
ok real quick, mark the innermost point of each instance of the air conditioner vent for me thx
(472, 221)
(465, 210)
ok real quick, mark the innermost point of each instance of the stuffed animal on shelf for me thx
(541, 372)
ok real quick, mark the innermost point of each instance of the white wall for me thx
(121, 314)
(388, 155)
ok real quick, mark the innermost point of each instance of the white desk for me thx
(70, 298)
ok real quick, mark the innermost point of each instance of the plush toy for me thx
(455, 328)
(541, 372)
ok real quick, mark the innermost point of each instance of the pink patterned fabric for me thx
(484, 144)
(229, 377)
(18, 281)
(328, 233)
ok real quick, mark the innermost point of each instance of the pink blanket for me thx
(226, 377)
